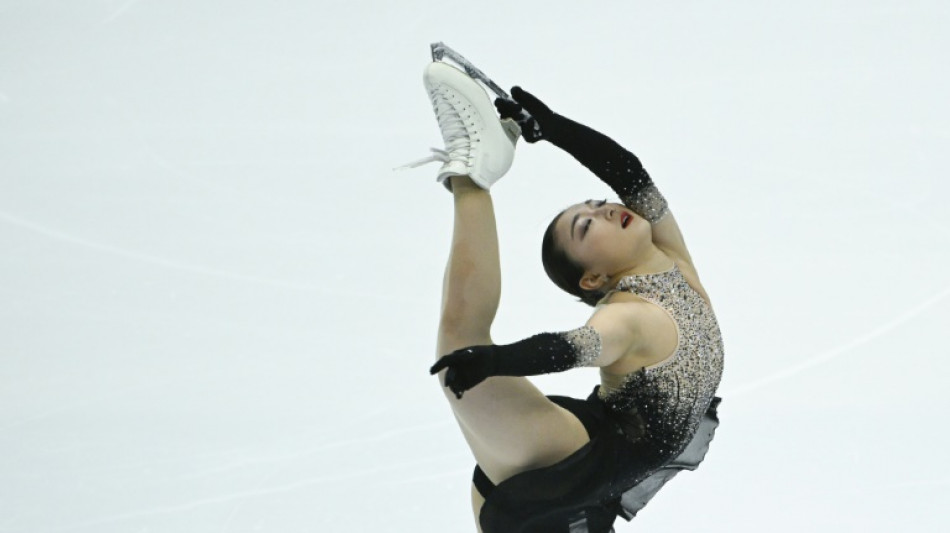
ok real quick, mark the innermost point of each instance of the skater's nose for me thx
(604, 211)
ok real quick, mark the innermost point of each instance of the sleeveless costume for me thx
(658, 422)
(643, 430)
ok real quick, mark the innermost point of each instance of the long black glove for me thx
(540, 354)
(612, 163)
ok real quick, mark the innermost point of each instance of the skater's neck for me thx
(651, 261)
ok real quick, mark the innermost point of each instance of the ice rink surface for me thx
(218, 301)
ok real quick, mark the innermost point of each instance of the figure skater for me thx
(556, 464)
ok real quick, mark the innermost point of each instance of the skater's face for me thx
(603, 238)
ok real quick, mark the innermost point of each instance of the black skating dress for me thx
(648, 426)
(654, 423)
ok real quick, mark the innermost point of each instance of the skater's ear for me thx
(591, 281)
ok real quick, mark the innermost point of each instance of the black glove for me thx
(539, 121)
(613, 164)
(466, 367)
(539, 354)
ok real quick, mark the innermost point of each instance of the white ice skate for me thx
(477, 144)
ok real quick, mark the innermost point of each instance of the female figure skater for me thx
(556, 464)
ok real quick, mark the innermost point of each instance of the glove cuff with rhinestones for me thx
(545, 353)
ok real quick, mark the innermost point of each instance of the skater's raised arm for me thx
(616, 166)
(612, 332)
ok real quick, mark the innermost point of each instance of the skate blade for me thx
(442, 52)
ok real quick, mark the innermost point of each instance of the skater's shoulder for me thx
(621, 314)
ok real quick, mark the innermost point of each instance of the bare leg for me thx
(477, 502)
(509, 425)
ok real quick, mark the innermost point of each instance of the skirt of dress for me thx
(585, 493)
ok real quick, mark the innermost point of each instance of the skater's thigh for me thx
(510, 425)
(477, 502)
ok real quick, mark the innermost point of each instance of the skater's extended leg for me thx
(509, 425)
(471, 288)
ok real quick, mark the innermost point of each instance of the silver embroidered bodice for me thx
(664, 403)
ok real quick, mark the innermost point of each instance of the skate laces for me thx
(454, 134)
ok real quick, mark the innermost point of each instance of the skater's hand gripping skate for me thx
(537, 124)
(466, 367)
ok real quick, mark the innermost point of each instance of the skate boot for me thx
(477, 143)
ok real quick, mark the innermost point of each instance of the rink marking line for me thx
(824, 357)
(900, 485)
(59, 235)
(311, 451)
(247, 494)
(915, 484)
(430, 477)
(380, 436)
(73, 406)
(282, 459)
(167, 263)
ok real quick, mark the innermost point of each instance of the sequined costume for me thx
(656, 422)
(643, 427)
(664, 403)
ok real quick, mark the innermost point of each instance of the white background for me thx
(218, 301)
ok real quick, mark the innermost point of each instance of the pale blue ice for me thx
(218, 302)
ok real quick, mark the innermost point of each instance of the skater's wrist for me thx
(553, 127)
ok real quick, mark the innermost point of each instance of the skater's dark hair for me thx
(562, 270)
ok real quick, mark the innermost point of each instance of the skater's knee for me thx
(466, 320)
(471, 293)
(454, 336)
